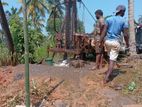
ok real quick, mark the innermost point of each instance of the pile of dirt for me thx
(66, 87)
(13, 92)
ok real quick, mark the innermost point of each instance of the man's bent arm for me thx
(126, 37)
(103, 33)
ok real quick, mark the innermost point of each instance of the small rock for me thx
(60, 103)
(77, 63)
(18, 76)
(118, 87)
(47, 80)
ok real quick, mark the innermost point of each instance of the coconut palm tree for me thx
(56, 7)
(4, 3)
(131, 20)
(5, 27)
(37, 9)
(13, 11)
(39, 23)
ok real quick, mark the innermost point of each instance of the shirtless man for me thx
(97, 35)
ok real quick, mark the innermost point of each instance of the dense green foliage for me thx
(38, 42)
(80, 27)
(35, 37)
(5, 57)
(53, 25)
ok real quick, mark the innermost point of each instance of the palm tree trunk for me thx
(68, 24)
(74, 15)
(131, 21)
(5, 27)
(74, 21)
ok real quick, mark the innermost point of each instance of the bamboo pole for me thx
(27, 79)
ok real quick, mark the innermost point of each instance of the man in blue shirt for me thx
(112, 34)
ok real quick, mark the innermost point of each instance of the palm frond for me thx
(5, 3)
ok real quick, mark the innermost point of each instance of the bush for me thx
(42, 51)
(35, 38)
(5, 57)
(40, 54)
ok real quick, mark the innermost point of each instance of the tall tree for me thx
(35, 8)
(131, 20)
(4, 3)
(50, 28)
(55, 7)
(39, 23)
(12, 11)
(68, 24)
(5, 28)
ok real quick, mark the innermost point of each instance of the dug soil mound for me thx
(73, 87)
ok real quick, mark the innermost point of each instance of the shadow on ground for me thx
(115, 73)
